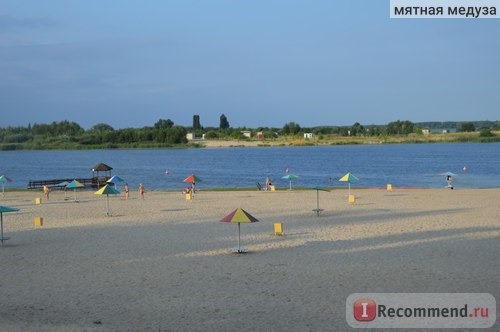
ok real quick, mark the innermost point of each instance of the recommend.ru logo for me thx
(421, 310)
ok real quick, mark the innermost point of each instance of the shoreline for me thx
(252, 189)
(320, 140)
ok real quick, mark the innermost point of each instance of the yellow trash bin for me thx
(273, 188)
(278, 228)
(189, 197)
(38, 201)
(352, 199)
(389, 187)
(38, 222)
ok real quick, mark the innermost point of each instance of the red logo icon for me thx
(365, 310)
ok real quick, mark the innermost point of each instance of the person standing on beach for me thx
(141, 190)
(126, 190)
(268, 183)
(46, 192)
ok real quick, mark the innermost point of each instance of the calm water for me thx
(406, 165)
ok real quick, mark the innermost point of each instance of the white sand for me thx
(165, 264)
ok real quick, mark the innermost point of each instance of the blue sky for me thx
(261, 63)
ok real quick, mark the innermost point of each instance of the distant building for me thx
(192, 137)
(246, 133)
(260, 135)
(426, 131)
(308, 135)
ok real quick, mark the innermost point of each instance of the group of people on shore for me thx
(142, 190)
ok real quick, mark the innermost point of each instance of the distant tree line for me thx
(164, 133)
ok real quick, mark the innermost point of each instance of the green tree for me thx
(291, 128)
(357, 129)
(224, 124)
(466, 127)
(176, 135)
(57, 129)
(127, 135)
(486, 133)
(211, 135)
(400, 127)
(196, 122)
(164, 124)
(101, 127)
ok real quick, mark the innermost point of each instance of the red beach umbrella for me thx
(192, 178)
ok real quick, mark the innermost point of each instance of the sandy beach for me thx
(165, 264)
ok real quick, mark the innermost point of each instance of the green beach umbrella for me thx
(318, 189)
(290, 177)
(107, 190)
(3, 180)
(239, 216)
(2, 210)
(73, 185)
(348, 178)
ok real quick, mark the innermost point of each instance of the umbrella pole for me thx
(317, 199)
(290, 184)
(349, 189)
(107, 205)
(1, 227)
(239, 250)
(74, 193)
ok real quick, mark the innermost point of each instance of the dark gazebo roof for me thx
(101, 167)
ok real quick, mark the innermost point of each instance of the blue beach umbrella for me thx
(115, 179)
(448, 174)
(449, 178)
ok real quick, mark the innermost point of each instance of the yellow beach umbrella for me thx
(107, 190)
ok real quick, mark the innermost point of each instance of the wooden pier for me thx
(93, 182)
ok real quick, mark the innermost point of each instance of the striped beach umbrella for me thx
(239, 216)
(107, 190)
(73, 185)
(348, 178)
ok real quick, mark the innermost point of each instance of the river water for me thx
(403, 165)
